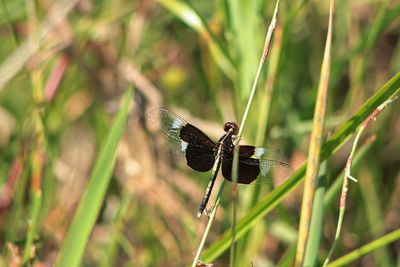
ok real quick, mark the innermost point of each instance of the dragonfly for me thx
(256, 165)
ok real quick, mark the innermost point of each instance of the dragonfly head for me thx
(231, 126)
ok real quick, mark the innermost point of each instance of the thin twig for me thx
(265, 53)
(235, 167)
(208, 227)
(263, 58)
(347, 174)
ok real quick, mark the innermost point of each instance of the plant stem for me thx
(208, 227)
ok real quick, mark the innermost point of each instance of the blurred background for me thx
(65, 66)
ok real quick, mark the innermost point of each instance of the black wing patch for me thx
(196, 145)
(200, 149)
(256, 165)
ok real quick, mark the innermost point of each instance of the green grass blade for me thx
(391, 88)
(36, 200)
(86, 214)
(189, 16)
(317, 219)
(245, 42)
(357, 253)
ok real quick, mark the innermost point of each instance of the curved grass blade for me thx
(391, 88)
(357, 253)
(86, 214)
(193, 20)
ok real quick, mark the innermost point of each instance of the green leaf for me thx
(89, 206)
(357, 253)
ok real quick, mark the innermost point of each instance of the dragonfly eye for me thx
(231, 125)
